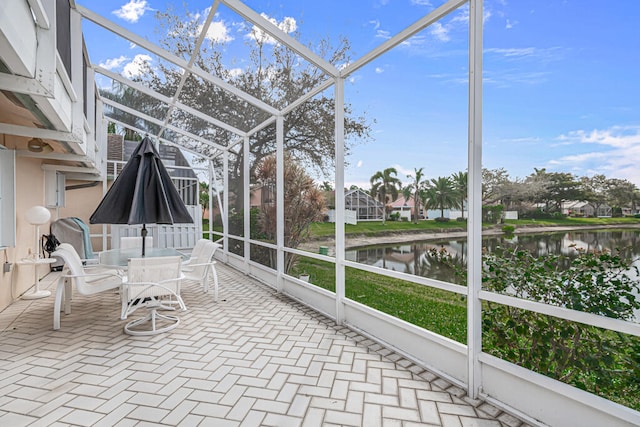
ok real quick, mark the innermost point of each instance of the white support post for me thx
(46, 50)
(339, 197)
(77, 82)
(246, 201)
(210, 206)
(280, 201)
(474, 227)
(225, 216)
(213, 182)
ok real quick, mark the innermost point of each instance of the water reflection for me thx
(417, 257)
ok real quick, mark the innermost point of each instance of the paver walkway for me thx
(255, 358)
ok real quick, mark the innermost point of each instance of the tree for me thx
(303, 204)
(441, 195)
(620, 194)
(460, 185)
(562, 187)
(492, 182)
(385, 187)
(594, 191)
(203, 197)
(273, 74)
(417, 186)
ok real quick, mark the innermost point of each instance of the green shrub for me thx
(508, 229)
(600, 361)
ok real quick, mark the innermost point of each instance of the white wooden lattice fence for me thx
(179, 236)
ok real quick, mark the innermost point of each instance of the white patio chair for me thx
(152, 283)
(85, 281)
(200, 244)
(135, 242)
(202, 265)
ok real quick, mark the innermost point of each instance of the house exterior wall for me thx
(29, 192)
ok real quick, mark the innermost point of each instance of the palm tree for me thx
(384, 187)
(417, 185)
(460, 186)
(441, 195)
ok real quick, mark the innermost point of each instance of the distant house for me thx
(585, 209)
(367, 208)
(403, 206)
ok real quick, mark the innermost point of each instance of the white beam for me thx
(163, 140)
(403, 35)
(194, 56)
(598, 321)
(280, 202)
(167, 100)
(246, 200)
(176, 60)
(26, 85)
(40, 14)
(474, 227)
(152, 93)
(55, 156)
(339, 200)
(262, 125)
(158, 122)
(318, 89)
(30, 132)
(70, 169)
(259, 21)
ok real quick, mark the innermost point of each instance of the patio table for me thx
(119, 258)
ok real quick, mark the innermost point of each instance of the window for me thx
(7, 197)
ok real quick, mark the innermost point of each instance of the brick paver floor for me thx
(255, 358)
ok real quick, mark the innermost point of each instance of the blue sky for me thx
(561, 86)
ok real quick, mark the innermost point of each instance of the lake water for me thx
(414, 257)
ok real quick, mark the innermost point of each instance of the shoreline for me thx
(358, 241)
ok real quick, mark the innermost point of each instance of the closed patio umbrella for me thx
(142, 194)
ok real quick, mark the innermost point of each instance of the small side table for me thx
(37, 293)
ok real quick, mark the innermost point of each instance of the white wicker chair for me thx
(202, 265)
(153, 283)
(86, 282)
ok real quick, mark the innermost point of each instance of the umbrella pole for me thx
(143, 233)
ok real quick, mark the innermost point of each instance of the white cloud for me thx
(616, 155)
(136, 66)
(421, 3)
(616, 136)
(403, 172)
(376, 24)
(132, 11)
(382, 34)
(112, 63)
(359, 164)
(510, 24)
(218, 32)
(234, 72)
(512, 52)
(379, 70)
(288, 25)
(439, 32)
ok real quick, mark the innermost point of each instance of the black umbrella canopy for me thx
(142, 194)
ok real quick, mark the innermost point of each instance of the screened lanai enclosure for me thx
(279, 118)
(366, 207)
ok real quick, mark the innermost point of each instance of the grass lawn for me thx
(436, 310)
(373, 228)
